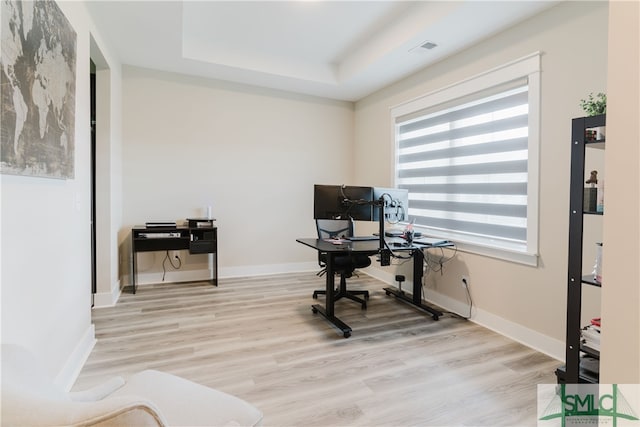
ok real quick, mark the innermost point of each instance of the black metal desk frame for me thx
(416, 297)
(370, 248)
(198, 240)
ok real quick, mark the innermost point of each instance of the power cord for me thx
(167, 257)
(436, 263)
(454, 314)
(395, 255)
(466, 287)
(401, 260)
(399, 214)
(351, 202)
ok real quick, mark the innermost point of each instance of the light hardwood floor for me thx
(257, 338)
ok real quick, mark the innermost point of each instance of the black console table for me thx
(200, 236)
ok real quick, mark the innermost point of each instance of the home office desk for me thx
(199, 237)
(367, 247)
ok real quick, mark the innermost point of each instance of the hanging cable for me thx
(164, 260)
(436, 263)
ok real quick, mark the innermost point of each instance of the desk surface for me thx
(169, 227)
(345, 246)
(364, 245)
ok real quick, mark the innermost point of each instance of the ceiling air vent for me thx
(423, 46)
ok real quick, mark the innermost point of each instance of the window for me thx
(468, 155)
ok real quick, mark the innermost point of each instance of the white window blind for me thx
(467, 161)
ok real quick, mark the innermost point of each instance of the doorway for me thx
(103, 282)
(92, 92)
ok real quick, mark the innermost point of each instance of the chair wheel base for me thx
(352, 295)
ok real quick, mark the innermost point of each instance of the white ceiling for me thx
(335, 49)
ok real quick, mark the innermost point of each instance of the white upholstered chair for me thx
(148, 398)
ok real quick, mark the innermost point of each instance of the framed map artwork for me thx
(37, 109)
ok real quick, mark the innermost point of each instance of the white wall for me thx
(46, 294)
(525, 302)
(252, 154)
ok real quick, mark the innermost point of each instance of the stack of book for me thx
(591, 334)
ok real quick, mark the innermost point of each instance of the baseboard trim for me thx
(171, 277)
(268, 269)
(225, 272)
(107, 299)
(76, 361)
(515, 331)
(526, 336)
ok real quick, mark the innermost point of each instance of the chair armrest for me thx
(24, 410)
(121, 411)
(185, 403)
(97, 392)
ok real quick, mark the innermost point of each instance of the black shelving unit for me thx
(581, 362)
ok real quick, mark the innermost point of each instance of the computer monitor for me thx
(342, 202)
(396, 204)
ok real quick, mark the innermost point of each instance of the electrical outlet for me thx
(464, 282)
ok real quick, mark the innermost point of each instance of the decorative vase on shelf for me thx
(597, 268)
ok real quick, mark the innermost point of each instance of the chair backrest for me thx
(332, 228)
(340, 228)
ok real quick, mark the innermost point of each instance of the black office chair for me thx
(343, 265)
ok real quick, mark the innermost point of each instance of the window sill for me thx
(499, 253)
(500, 250)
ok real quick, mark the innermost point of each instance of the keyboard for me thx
(362, 238)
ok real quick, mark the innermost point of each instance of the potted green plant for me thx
(594, 104)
